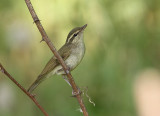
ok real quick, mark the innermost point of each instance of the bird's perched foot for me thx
(74, 94)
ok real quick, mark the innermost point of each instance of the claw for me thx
(68, 70)
(74, 94)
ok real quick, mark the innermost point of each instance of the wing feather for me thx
(53, 62)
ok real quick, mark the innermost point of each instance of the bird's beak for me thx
(83, 27)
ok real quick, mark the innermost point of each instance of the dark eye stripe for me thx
(75, 34)
(71, 38)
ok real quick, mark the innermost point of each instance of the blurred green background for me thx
(122, 38)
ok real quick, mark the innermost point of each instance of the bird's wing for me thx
(64, 52)
(53, 62)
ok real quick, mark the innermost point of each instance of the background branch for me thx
(3, 70)
(53, 49)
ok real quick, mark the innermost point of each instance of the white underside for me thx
(72, 61)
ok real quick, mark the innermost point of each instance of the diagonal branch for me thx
(53, 49)
(3, 70)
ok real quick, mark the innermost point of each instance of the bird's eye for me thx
(75, 34)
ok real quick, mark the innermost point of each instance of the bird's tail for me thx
(35, 84)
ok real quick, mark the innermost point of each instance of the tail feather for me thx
(32, 87)
(35, 84)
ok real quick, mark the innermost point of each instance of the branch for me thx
(3, 70)
(56, 54)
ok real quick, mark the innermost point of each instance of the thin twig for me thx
(56, 54)
(3, 70)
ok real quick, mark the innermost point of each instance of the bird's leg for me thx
(73, 93)
(65, 78)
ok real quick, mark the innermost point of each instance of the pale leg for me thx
(65, 78)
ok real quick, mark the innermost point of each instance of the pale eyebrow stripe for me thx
(70, 39)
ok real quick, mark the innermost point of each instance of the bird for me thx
(72, 52)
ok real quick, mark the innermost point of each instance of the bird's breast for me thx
(76, 56)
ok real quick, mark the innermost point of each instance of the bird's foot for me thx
(68, 70)
(74, 94)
